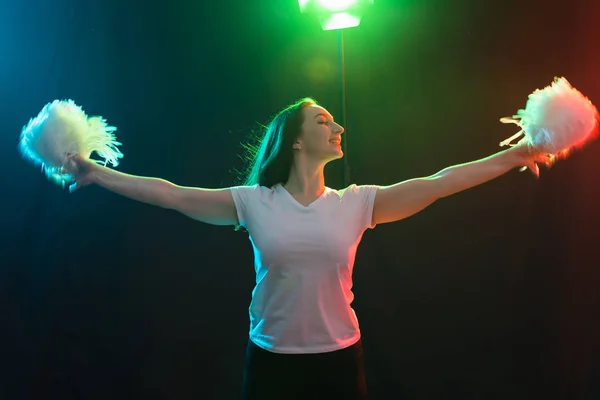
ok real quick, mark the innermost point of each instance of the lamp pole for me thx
(338, 15)
(342, 77)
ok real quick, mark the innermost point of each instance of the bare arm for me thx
(213, 206)
(395, 202)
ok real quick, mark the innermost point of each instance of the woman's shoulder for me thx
(252, 188)
(353, 190)
(252, 192)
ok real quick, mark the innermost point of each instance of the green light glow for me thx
(303, 4)
(340, 21)
(336, 5)
(336, 14)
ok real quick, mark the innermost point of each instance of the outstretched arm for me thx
(399, 201)
(213, 206)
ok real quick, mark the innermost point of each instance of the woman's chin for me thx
(337, 155)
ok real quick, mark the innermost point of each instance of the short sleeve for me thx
(242, 198)
(362, 198)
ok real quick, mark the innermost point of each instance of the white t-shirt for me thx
(303, 257)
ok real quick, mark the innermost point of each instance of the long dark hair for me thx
(270, 160)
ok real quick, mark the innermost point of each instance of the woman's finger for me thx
(535, 169)
(79, 183)
(71, 166)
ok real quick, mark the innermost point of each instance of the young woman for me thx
(304, 337)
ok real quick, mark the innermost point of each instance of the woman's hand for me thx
(83, 170)
(528, 158)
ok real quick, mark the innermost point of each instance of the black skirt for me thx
(333, 375)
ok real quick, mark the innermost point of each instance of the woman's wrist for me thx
(95, 171)
(516, 155)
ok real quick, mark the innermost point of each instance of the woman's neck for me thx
(305, 180)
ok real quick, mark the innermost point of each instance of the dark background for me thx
(492, 293)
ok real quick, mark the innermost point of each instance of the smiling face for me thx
(320, 137)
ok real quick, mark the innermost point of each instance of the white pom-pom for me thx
(556, 120)
(62, 129)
